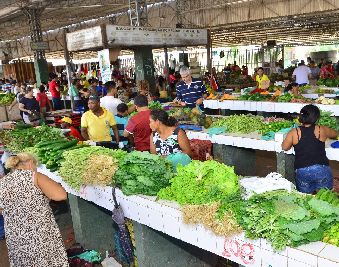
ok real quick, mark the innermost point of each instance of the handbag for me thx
(34, 116)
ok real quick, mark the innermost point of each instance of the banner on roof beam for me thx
(84, 39)
(104, 64)
(133, 36)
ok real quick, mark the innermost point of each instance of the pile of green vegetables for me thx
(286, 219)
(275, 126)
(327, 120)
(143, 173)
(254, 97)
(50, 153)
(83, 166)
(155, 105)
(201, 183)
(240, 123)
(20, 138)
(6, 99)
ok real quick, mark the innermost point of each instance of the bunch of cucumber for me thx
(50, 152)
(328, 196)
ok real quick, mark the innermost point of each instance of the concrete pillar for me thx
(285, 166)
(93, 225)
(243, 159)
(144, 67)
(41, 70)
(40, 64)
(156, 249)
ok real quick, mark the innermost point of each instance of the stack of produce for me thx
(201, 187)
(240, 123)
(325, 101)
(20, 138)
(50, 153)
(285, 219)
(201, 183)
(155, 105)
(143, 173)
(329, 82)
(92, 165)
(254, 97)
(327, 120)
(6, 99)
(275, 126)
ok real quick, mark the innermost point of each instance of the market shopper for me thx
(96, 123)
(19, 95)
(190, 92)
(167, 138)
(43, 100)
(110, 102)
(66, 123)
(138, 125)
(32, 235)
(30, 107)
(54, 89)
(302, 74)
(311, 163)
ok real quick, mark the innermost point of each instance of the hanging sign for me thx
(104, 64)
(133, 36)
(84, 39)
(39, 46)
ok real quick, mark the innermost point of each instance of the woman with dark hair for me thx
(29, 105)
(167, 138)
(311, 163)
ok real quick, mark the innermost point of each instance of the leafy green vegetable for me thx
(155, 105)
(240, 123)
(18, 139)
(143, 173)
(322, 207)
(81, 163)
(201, 182)
(301, 228)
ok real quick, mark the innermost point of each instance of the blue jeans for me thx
(312, 178)
(57, 104)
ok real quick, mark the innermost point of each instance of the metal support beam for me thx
(209, 51)
(34, 19)
(138, 13)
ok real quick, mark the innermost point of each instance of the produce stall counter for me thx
(166, 217)
(266, 106)
(251, 143)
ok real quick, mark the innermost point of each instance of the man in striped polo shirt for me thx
(190, 92)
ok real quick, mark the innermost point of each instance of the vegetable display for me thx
(275, 126)
(201, 183)
(92, 165)
(155, 105)
(287, 219)
(207, 214)
(18, 139)
(143, 173)
(50, 153)
(6, 99)
(240, 123)
(327, 120)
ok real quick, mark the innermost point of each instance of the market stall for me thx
(166, 217)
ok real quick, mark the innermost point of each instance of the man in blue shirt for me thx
(190, 92)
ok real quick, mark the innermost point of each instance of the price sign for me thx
(241, 250)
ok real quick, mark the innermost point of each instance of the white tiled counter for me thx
(245, 142)
(266, 106)
(166, 217)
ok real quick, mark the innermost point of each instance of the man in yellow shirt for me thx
(96, 123)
